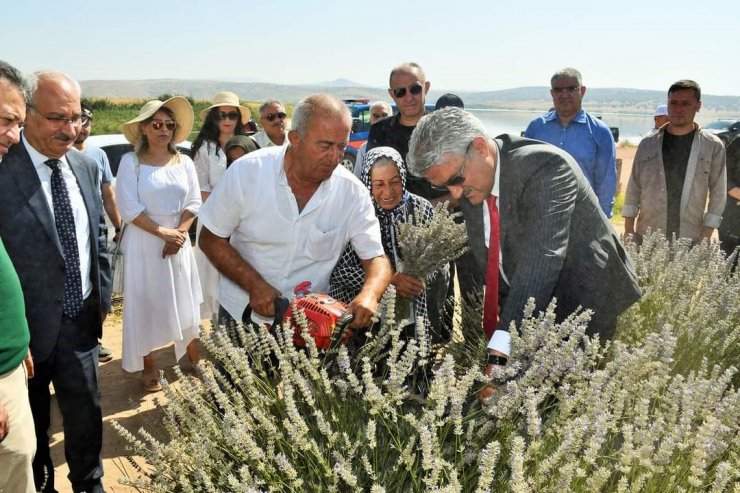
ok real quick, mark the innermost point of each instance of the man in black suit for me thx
(554, 239)
(51, 220)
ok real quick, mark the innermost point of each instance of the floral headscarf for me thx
(387, 218)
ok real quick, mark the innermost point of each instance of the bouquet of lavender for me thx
(426, 248)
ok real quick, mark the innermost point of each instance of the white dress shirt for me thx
(501, 339)
(254, 206)
(79, 211)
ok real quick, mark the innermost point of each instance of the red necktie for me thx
(490, 307)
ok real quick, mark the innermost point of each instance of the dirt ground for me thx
(124, 399)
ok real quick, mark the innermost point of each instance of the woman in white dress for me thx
(221, 121)
(158, 196)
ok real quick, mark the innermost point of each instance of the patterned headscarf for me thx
(387, 218)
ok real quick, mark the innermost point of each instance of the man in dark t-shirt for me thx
(678, 180)
(408, 89)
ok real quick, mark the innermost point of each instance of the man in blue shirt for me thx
(583, 136)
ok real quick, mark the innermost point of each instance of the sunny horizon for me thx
(473, 47)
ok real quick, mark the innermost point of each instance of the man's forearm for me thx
(377, 276)
(109, 204)
(227, 260)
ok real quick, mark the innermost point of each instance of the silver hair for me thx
(268, 103)
(567, 73)
(446, 131)
(318, 104)
(380, 102)
(15, 78)
(48, 75)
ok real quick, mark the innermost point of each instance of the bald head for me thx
(318, 105)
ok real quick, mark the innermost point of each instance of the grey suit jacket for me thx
(28, 230)
(555, 239)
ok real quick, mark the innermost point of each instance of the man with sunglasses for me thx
(581, 135)
(272, 119)
(532, 205)
(408, 89)
(52, 224)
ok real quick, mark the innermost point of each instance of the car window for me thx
(115, 152)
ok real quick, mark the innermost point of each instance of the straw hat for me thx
(183, 117)
(227, 98)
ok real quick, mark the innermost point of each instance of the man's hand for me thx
(262, 298)
(629, 227)
(363, 309)
(407, 286)
(4, 424)
(488, 390)
(28, 361)
(705, 233)
(170, 249)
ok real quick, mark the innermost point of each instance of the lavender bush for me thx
(658, 410)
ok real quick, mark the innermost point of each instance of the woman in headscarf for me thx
(384, 175)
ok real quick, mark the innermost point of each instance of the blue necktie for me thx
(65, 223)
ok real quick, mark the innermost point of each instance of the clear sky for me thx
(472, 45)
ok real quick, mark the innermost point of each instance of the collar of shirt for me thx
(579, 118)
(39, 159)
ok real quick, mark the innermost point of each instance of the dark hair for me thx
(209, 132)
(15, 78)
(144, 144)
(686, 84)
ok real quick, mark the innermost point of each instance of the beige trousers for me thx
(19, 447)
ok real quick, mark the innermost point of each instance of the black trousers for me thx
(73, 369)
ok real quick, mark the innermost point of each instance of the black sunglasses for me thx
(458, 179)
(231, 115)
(158, 124)
(271, 116)
(414, 89)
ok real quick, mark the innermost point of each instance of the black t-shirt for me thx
(389, 132)
(676, 151)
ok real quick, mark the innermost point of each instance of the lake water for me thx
(631, 127)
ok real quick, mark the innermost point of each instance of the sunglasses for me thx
(231, 115)
(414, 90)
(169, 124)
(458, 179)
(271, 116)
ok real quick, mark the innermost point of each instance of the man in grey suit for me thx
(555, 240)
(51, 220)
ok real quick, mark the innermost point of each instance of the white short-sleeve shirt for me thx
(254, 206)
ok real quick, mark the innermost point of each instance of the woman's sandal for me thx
(151, 382)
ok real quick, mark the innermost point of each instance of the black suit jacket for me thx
(555, 239)
(28, 230)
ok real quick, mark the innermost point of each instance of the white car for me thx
(116, 145)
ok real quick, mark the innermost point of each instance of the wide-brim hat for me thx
(227, 98)
(179, 106)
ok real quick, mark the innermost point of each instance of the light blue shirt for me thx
(590, 142)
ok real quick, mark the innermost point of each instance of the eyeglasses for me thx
(271, 116)
(59, 120)
(86, 121)
(169, 124)
(415, 90)
(458, 179)
(569, 89)
(231, 115)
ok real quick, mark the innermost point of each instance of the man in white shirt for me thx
(283, 215)
(272, 120)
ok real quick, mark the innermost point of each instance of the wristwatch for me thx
(494, 359)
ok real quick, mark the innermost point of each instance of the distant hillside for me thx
(537, 98)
